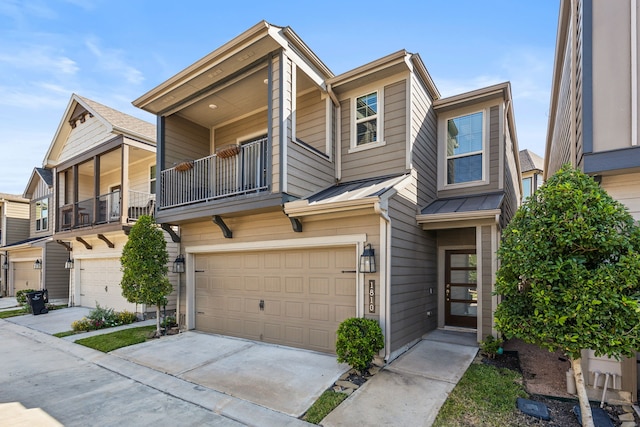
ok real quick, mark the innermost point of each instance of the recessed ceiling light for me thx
(213, 106)
(265, 81)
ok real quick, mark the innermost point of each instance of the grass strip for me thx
(485, 396)
(114, 340)
(13, 313)
(326, 403)
(65, 334)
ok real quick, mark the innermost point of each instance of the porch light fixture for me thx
(5, 264)
(37, 265)
(69, 263)
(368, 260)
(178, 264)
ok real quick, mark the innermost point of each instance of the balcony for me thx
(232, 171)
(105, 209)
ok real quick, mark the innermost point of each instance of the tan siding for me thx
(139, 175)
(624, 188)
(275, 126)
(17, 210)
(388, 159)
(173, 249)
(307, 172)
(487, 280)
(311, 121)
(84, 137)
(230, 133)
(56, 277)
(424, 143)
(413, 272)
(184, 140)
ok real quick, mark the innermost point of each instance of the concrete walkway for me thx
(8, 303)
(250, 382)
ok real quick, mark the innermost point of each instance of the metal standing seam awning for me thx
(463, 210)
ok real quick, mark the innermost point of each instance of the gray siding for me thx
(457, 237)
(184, 140)
(413, 272)
(487, 280)
(494, 161)
(510, 203)
(56, 277)
(307, 172)
(17, 230)
(311, 127)
(388, 159)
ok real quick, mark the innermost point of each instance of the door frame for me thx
(464, 322)
(441, 284)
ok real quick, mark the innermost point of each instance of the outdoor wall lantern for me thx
(69, 263)
(37, 265)
(368, 260)
(178, 264)
(5, 265)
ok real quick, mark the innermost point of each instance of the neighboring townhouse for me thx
(304, 198)
(593, 125)
(14, 227)
(102, 164)
(532, 168)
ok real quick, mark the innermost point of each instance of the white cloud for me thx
(38, 58)
(113, 60)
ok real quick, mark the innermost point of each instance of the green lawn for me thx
(325, 404)
(114, 340)
(483, 390)
(13, 313)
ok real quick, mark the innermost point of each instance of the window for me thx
(366, 115)
(465, 145)
(152, 179)
(526, 188)
(42, 215)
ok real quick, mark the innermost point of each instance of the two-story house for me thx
(304, 198)
(532, 168)
(102, 168)
(594, 125)
(14, 227)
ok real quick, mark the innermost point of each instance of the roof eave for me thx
(488, 214)
(301, 208)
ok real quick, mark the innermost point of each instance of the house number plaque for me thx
(372, 296)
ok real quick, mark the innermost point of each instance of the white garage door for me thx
(291, 297)
(25, 276)
(100, 282)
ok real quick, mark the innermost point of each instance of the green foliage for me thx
(64, 334)
(326, 403)
(126, 317)
(490, 346)
(169, 322)
(570, 269)
(12, 313)
(102, 317)
(115, 340)
(359, 340)
(484, 396)
(144, 264)
(21, 296)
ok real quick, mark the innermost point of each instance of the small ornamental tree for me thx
(359, 340)
(144, 266)
(569, 274)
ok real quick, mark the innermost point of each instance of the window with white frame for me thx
(367, 119)
(526, 187)
(152, 179)
(465, 148)
(42, 215)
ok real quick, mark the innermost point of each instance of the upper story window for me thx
(367, 123)
(465, 148)
(42, 215)
(526, 187)
(152, 179)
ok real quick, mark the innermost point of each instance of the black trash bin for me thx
(38, 300)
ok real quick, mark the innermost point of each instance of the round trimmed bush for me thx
(359, 340)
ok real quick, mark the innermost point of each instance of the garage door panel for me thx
(25, 276)
(100, 284)
(306, 295)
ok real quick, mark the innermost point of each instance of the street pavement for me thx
(202, 379)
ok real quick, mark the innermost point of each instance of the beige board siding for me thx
(184, 140)
(275, 125)
(56, 277)
(84, 137)
(311, 120)
(413, 274)
(379, 161)
(493, 174)
(486, 257)
(240, 130)
(307, 172)
(139, 175)
(624, 188)
(293, 297)
(424, 142)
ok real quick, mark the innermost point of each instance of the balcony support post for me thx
(226, 232)
(84, 242)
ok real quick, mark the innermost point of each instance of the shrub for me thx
(21, 298)
(491, 346)
(103, 317)
(126, 317)
(358, 342)
(169, 322)
(82, 325)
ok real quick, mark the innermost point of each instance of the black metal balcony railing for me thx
(109, 210)
(240, 170)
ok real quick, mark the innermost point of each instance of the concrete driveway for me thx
(52, 322)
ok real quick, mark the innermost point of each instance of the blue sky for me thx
(113, 51)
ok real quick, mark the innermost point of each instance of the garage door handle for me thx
(261, 305)
(349, 271)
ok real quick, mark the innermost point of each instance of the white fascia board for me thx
(459, 216)
(302, 208)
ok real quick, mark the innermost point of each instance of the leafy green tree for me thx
(144, 266)
(569, 274)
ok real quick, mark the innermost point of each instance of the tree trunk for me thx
(158, 331)
(581, 389)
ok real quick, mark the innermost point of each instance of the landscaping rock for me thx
(347, 385)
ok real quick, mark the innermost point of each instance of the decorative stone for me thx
(348, 391)
(344, 376)
(347, 385)
(626, 417)
(627, 408)
(533, 408)
(337, 388)
(374, 370)
(628, 424)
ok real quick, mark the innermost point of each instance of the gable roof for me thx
(117, 122)
(12, 198)
(530, 161)
(45, 175)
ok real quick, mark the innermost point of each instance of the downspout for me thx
(385, 274)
